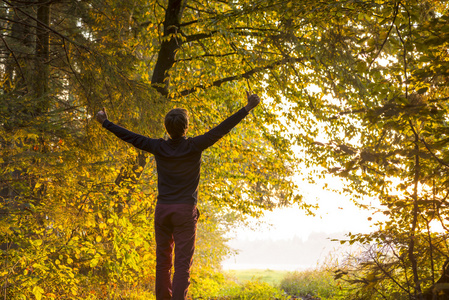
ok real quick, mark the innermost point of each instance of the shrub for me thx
(316, 283)
(206, 285)
(250, 290)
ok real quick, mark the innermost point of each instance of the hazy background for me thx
(288, 239)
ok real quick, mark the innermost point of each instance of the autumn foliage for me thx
(359, 87)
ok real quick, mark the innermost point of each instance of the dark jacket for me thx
(178, 160)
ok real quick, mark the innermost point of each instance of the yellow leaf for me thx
(74, 291)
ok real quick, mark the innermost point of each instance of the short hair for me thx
(177, 122)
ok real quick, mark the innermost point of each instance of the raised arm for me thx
(137, 140)
(212, 136)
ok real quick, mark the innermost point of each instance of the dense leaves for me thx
(76, 203)
(358, 86)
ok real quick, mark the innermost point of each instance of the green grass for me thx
(317, 282)
(272, 277)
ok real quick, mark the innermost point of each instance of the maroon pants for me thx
(174, 224)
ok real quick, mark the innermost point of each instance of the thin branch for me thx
(73, 71)
(427, 146)
(431, 247)
(441, 221)
(247, 74)
(403, 265)
(414, 225)
(404, 58)
(438, 99)
(205, 55)
(46, 26)
(348, 112)
(198, 36)
(201, 10)
(15, 21)
(257, 29)
(386, 273)
(189, 23)
(242, 31)
(15, 58)
(388, 35)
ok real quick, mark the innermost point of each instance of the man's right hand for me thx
(253, 101)
(101, 116)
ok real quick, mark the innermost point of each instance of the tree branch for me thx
(247, 74)
(198, 36)
(427, 146)
(205, 55)
(15, 58)
(386, 38)
(414, 225)
(239, 31)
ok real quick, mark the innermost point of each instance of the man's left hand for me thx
(102, 116)
(253, 101)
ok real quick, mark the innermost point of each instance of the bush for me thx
(316, 283)
(250, 290)
(206, 285)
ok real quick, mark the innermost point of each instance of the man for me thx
(178, 162)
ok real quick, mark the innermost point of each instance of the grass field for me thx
(319, 283)
(272, 277)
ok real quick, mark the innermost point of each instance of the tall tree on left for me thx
(65, 230)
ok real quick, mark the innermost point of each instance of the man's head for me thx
(177, 122)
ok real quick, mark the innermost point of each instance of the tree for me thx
(387, 138)
(76, 204)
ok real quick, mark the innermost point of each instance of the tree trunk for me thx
(16, 71)
(42, 69)
(160, 78)
(169, 46)
(411, 249)
(440, 290)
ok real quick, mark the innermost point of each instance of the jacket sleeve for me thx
(212, 136)
(137, 140)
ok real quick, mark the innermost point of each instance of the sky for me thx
(336, 213)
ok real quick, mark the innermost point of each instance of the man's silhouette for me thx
(178, 162)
